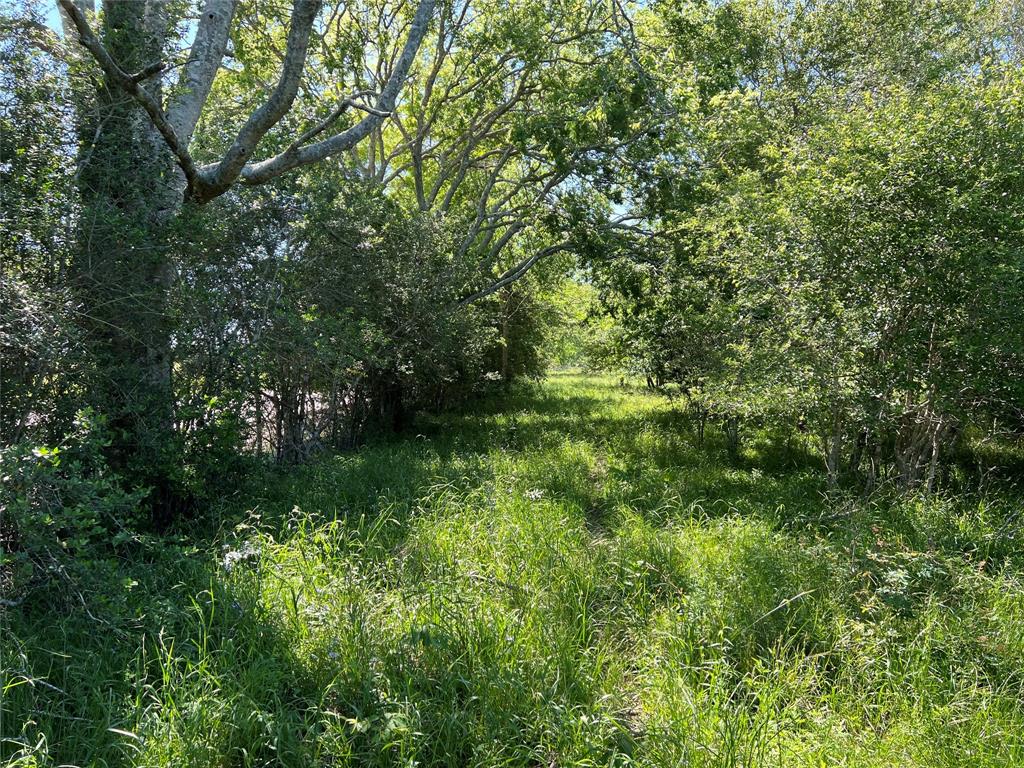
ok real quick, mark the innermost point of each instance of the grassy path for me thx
(560, 578)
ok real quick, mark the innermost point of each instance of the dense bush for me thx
(40, 358)
(844, 259)
(62, 508)
(309, 320)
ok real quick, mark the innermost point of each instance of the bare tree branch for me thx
(131, 86)
(216, 179)
(514, 273)
(66, 24)
(186, 102)
(257, 173)
(326, 123)
(185, 105)
(147, 72)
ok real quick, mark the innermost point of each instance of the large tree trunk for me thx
(136, 168)
(130, 192)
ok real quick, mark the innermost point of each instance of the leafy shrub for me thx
(61, 506)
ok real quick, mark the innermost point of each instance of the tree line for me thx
(836, 242)
(232, 229)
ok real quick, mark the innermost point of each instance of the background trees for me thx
(230, 290)
(39, 353)
(315, 220)
(843, 252)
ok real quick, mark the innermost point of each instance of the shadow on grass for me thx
(178, 661)
(171, 663)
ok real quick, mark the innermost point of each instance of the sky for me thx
(53, 16)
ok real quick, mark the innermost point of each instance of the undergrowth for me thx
(561, 577)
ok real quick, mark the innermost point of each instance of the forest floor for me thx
(559, 577)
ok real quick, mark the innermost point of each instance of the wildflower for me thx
(232, 557)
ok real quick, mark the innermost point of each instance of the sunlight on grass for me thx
(561, 578)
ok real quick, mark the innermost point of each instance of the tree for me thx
(896, 270)
(830, 223)
(38, 360)
(516, 118)
(139, 177)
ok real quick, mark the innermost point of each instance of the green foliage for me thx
(574, 336)
(802, 218)
(562, 575)
(295, 336)
(845, 257)
(62, 508)
(41, 364)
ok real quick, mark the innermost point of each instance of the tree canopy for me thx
(238, 229)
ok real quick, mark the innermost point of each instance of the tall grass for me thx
(561, 577)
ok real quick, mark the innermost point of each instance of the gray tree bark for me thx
(139, 177)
